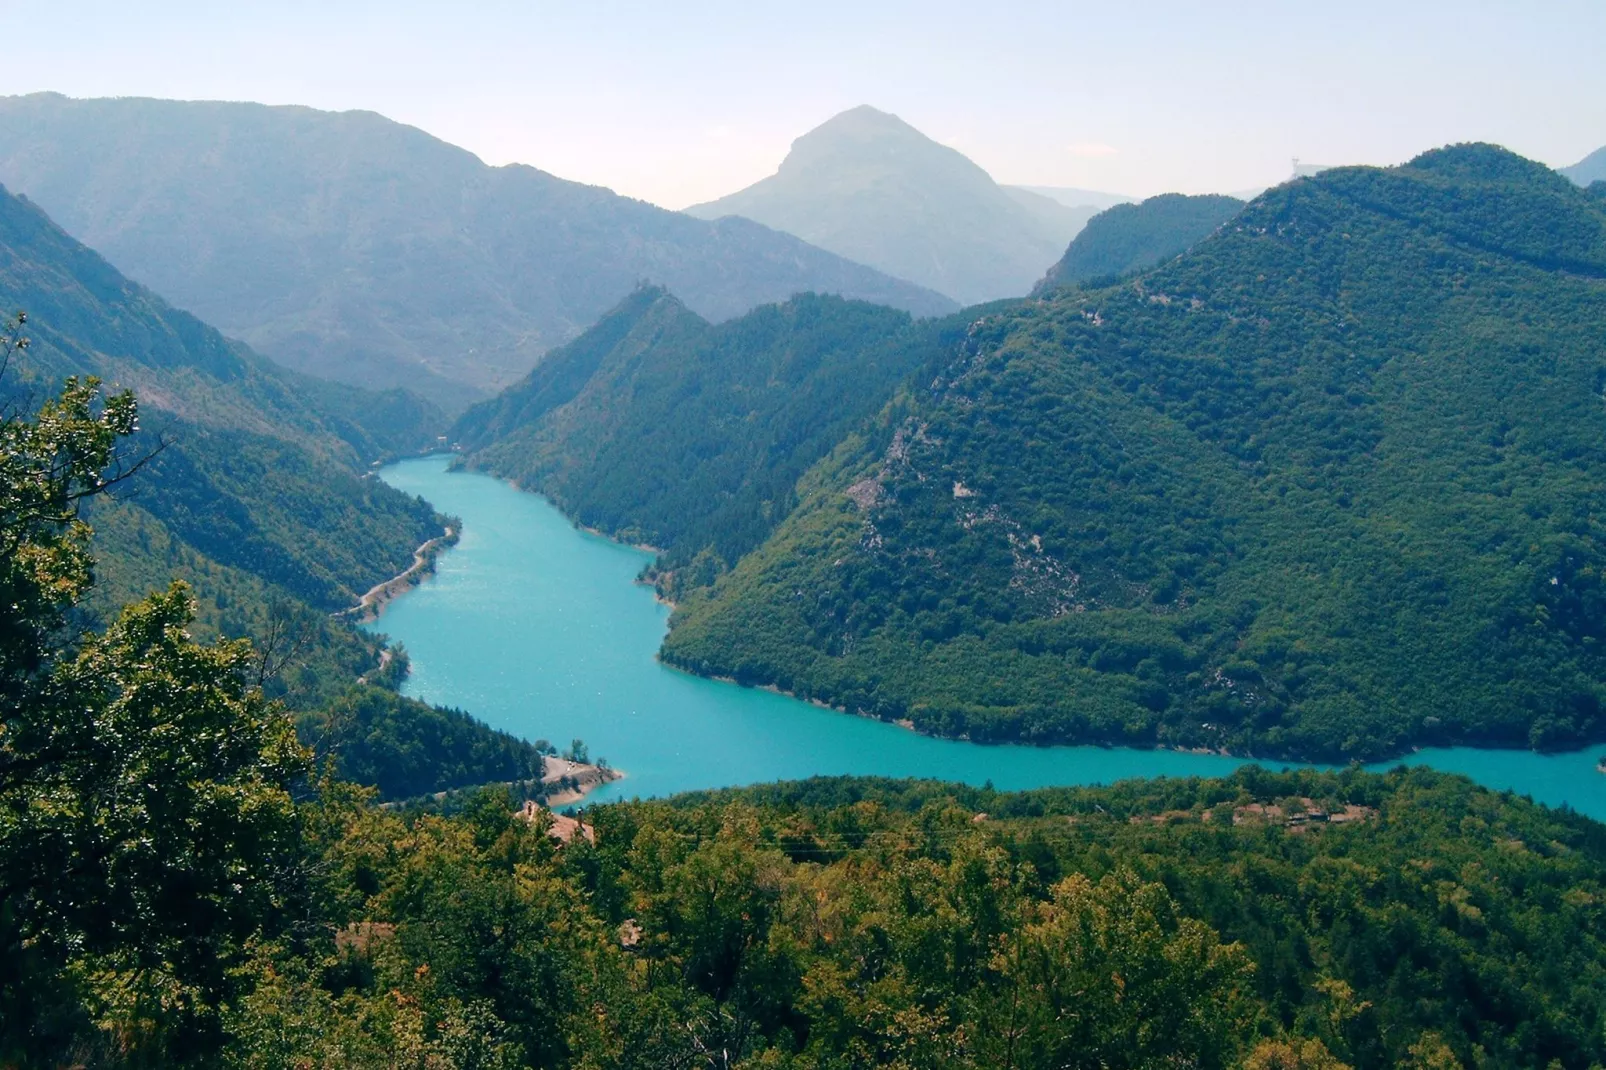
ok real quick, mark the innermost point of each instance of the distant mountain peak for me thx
(865, 118)
(863, 125)
(359, 249)
(864, 136)
(868, 186)
(1591, 168)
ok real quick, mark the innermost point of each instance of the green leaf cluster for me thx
(145, 812)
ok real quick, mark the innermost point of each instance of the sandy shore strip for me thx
(372, 604)
(568, 782)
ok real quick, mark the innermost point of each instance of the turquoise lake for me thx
(541, 630)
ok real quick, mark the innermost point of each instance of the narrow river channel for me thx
(539, 629)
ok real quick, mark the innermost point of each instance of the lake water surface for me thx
(539, 629)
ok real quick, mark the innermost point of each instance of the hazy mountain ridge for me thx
(1590, 169)
(359, 249)
(1075, 197)
(1301, 490)
(95, 321)
(870, 187)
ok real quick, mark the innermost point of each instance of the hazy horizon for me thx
(676, 109)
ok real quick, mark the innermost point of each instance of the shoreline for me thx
(646, 548)
(461, 464)
(1214, 752)
(1408, 753)
(372, 604)
(575, 780)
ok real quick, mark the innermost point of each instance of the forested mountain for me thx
(359, 249)
(656, 426)
(1591, 168)
(254, 492)
(874, 189)
(1325, 486)
(258, 477)
(1133, 237)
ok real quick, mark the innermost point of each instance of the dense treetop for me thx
(355, 248)
(848, 923)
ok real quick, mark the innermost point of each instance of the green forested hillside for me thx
(1132, 237)
(360, 249)
(868, 186)
(247, 469)
(254, 492)
(316, 658)
(1326, 486)
(184, 887)
(657, 427)
(405, 749)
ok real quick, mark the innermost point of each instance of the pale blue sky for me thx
(677, 103)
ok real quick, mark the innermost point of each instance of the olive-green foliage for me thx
(848, 923)
(1135, 237)
(1326, 486)
(50, 461)
(658, 427)
(146, 826)
(405, 748)
(147, 833)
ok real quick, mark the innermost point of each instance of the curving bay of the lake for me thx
(539, 629)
